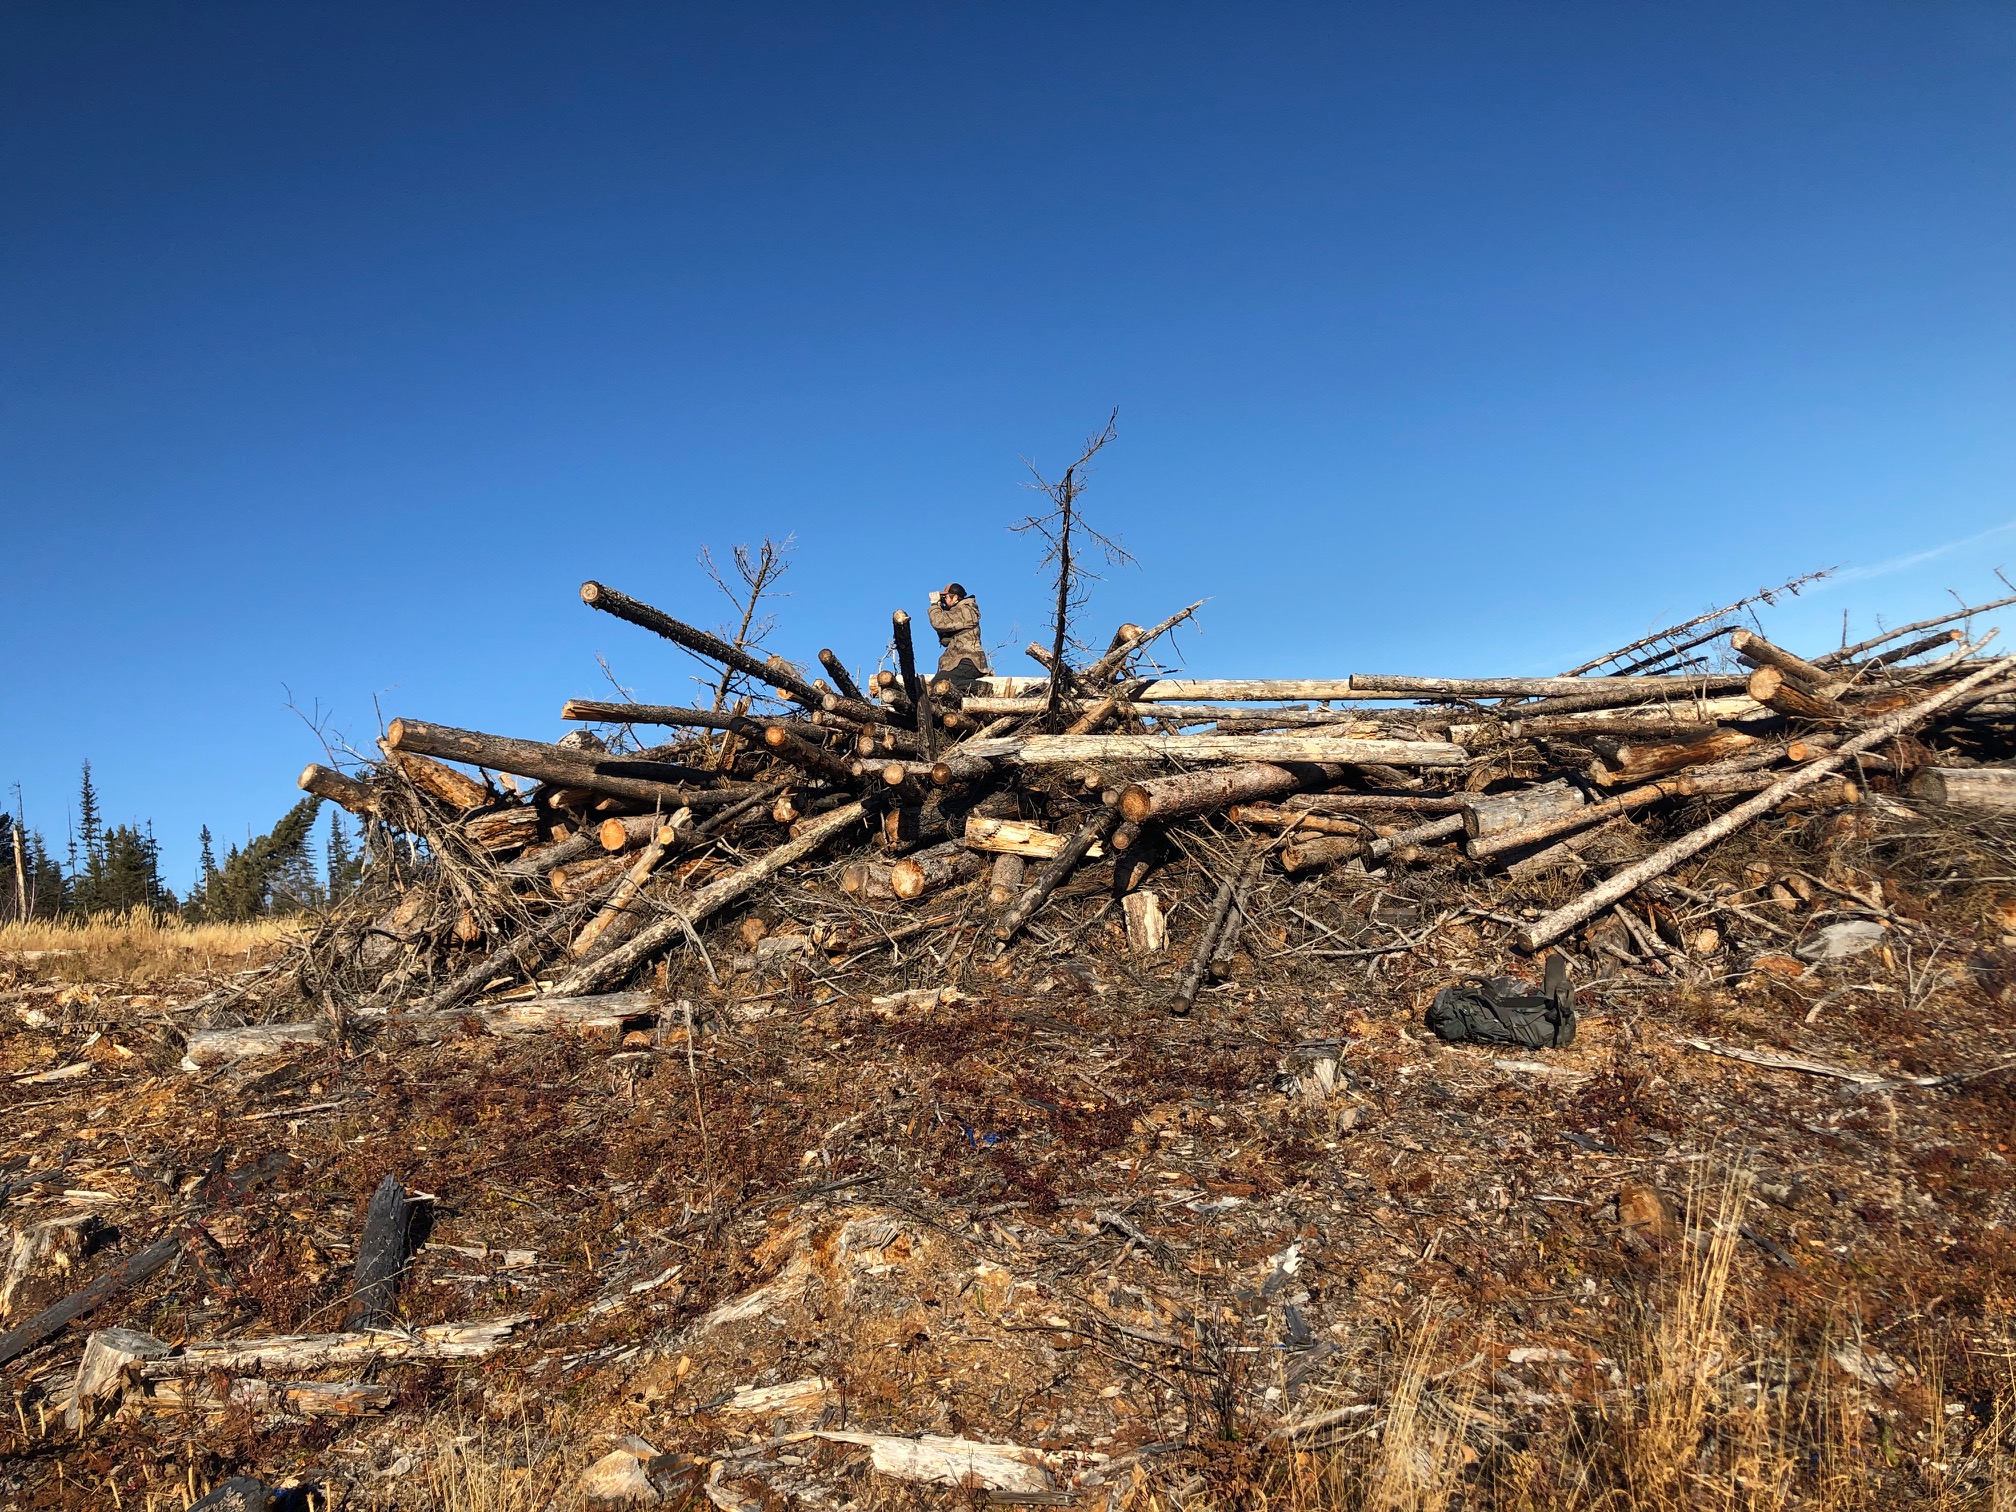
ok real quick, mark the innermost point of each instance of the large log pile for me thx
(508, 867)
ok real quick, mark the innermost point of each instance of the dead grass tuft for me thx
(139, 949)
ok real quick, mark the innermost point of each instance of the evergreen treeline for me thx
(117, 868)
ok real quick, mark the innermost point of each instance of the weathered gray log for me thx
(1966, 787)
(1072, 750)
(1495, 813)
(431, 1342)
(642, 615)
(1552, 926)
(620, 777)
(109, 1287)
(1205, 952)
(1060, 866)
(209, 1047)
(1379, 685)
(344, 792)
(655, 938)
(1685, 785)
(382, 1252)
(1849, 653)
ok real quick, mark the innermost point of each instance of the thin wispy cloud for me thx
(1903, 563)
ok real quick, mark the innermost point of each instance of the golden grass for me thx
(137, 949)
(1702, 1421)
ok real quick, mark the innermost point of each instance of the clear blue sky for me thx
(343, 342)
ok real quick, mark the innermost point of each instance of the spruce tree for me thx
(244, 886)
(341, 864)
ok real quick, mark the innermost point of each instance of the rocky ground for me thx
(798, 1236)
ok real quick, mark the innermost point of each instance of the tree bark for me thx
(457, 790)
(345, 792)
(626, 890)
(1076, 849)
(1420, 834)
(1199, 792)
(806, 756)
(918, 688)
(1206, 949)
(933, 870)
(709, 901)
(837, 670)
(645, 781)
(1770, 686)
(1004, 879)
(609, 601)
(1374, 685)
(1320, 851)
(1759, 652)
(1551, 927)
(652, 714)
(1641, 763)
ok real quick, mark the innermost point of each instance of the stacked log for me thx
(591, 860)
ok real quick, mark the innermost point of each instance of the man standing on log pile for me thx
(956, 618)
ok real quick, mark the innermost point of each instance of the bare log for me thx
(1147, 927)
(642, 615)
(345, 792)
(110, 1287)
(1074, 850)
(1071, 750)
(505, 829)
(1379, 685)
(1552, 926)
(1966, 787)
(1016, 837)
(710, 900)
(1687, 784)
(1495, 813)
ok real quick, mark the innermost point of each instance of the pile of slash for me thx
(1018, 1085)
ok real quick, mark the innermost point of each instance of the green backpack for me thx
(1504, 1011)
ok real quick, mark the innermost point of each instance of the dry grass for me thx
(137, 949)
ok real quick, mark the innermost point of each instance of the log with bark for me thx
(623, 607)
(1966, 787)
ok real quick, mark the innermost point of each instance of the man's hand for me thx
(937, 597)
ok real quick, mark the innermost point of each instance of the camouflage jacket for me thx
(958, 627)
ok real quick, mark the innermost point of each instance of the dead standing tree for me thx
(1066, 534)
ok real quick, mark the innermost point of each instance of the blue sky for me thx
(343, 342)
